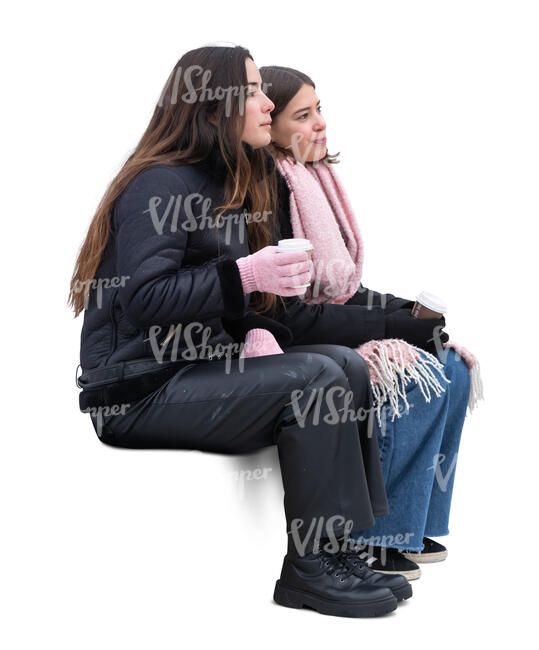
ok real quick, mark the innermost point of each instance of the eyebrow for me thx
(305, 109)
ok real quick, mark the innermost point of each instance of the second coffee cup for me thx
(427, 305)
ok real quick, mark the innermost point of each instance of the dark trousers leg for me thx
(361, 409)
(249, 404)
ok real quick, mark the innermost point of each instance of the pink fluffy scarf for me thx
(320, 211)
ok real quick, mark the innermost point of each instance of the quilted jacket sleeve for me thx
(370, 298)
(150, 253)
(349, 325)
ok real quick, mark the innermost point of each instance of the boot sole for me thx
(427, 558)
(409, 575)
(288, 597)
(403, 593)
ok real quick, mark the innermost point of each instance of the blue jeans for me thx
(419, 454)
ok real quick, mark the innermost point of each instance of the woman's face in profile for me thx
(258, 107)
(301, 127)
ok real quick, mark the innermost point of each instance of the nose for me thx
(268, 105)
(320, 124)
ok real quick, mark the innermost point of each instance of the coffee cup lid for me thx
(432, 301)
(295, 244)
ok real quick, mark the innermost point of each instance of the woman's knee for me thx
(321, 368)
(356, 370)
(456, 369)
(345, 377)
(353, 364)
(359, 365)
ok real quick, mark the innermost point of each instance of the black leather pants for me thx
(327, 446)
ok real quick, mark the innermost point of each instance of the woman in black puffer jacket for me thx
(166, 316)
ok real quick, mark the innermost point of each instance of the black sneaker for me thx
(432, 552)
(390, 561)
(399, 585)
(324, 582)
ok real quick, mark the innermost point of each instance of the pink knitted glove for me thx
(273, 272)
(258, 343)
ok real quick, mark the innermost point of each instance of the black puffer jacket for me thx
(167, 264)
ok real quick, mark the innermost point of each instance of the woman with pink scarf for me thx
(422, 383)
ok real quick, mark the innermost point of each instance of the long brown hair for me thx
(281, 84)
(181, 133)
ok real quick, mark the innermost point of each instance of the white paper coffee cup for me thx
(296, 244)
(428, 305)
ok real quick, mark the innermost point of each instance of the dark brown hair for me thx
(281, 85)
(180, 133)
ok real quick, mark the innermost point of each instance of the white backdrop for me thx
(434, 107)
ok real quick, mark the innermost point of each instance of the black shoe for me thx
(432, 552)
(390, 561)
(399, 585)
(323, 582)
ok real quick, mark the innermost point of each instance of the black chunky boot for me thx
(324, 582)
(399, 585)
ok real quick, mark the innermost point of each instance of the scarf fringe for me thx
(476, 386)
(393, 374)
(476, 383)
